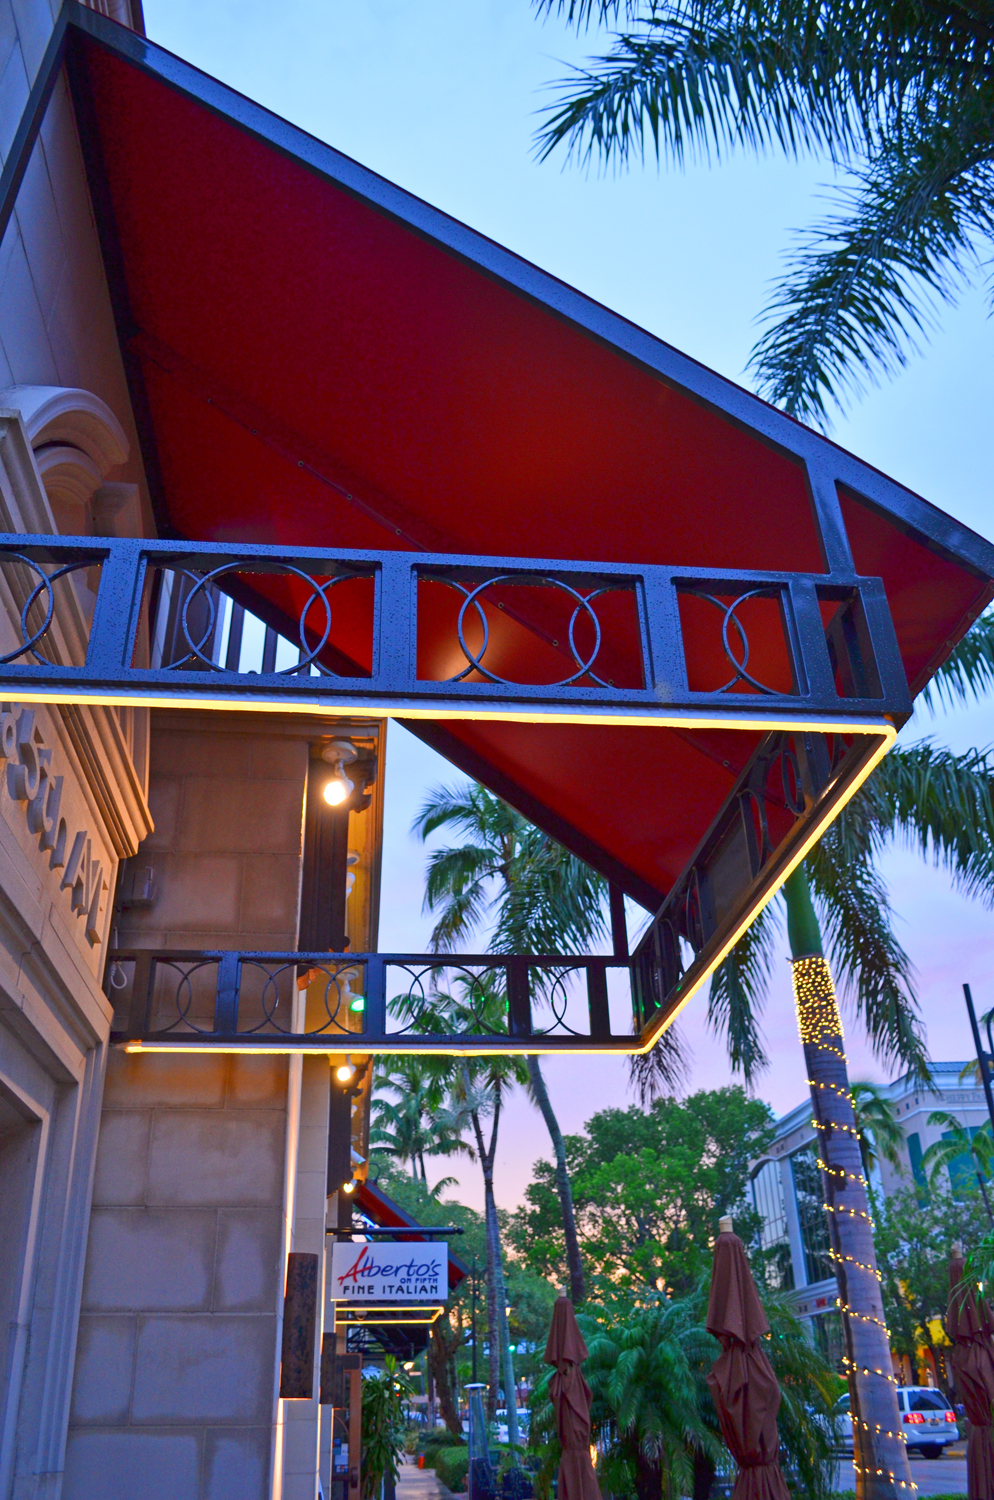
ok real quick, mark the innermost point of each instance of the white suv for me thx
(927, 1420)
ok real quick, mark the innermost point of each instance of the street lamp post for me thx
(474, 1318)
(983, 1058)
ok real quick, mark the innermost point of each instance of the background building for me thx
(786, 1188)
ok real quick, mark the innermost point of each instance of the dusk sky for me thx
(441, 96)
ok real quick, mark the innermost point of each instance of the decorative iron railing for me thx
(389, 1002)
(364, 1002)
(411, 632)
(792, 784)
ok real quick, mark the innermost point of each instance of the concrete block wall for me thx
(208, 1169)
(178, 1341)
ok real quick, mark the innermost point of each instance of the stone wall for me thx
(178, 1354)
(208, 1168)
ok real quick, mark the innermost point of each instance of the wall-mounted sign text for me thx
(31, 779)
(390, 1273)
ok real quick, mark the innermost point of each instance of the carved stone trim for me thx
(99, 750)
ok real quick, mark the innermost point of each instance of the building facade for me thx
(266, 423)
(787, 1193)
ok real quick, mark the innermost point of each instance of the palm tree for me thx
(647, 1369)
(477, 1089)
(543, 900)
(880, 1135)
(900, 97)
(923, 795)
(408, 1129)
(641, 1378)
(958, 1142)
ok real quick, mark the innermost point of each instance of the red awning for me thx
(319, 358)
(387, 1214)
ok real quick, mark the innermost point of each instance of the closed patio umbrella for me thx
(970, 1326)
(742, 1381)
(571, 1399)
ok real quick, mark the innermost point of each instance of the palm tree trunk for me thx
(879, 1454)
(577, 1287)
(648, 1476)
(500, 1338)
(441, 1342)
(983, 1194)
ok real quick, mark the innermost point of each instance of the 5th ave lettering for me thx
(30, 779)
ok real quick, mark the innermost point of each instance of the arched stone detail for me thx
(76, 440)
(66, 416)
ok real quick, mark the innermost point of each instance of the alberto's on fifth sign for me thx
(390, 1273)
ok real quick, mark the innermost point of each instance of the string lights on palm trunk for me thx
(820, 1026)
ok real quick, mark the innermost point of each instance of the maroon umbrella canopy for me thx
(742, 1381)
(571, 1399)
(970, 1326)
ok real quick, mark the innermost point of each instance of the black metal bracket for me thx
(791, 789)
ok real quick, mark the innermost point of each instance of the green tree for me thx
(408, 1128)
(649, 1186)
(901, 99)
(478, 1087)
(914, 1237)
(653, 1410)
(959, 1145)
(880, 1134)
(450, 1333)
(384, 1393)
(541, 899)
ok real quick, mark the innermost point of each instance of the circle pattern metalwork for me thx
(730, 621)
(204, 586)
(30, 639)
(473, 599)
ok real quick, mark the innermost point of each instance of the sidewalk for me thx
(420, 1484)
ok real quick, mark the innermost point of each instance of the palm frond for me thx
(660, 1071)
(738, 991)
(872, 967)
(880, 1134)
(580, 13)
(968, 672)
(701, 80)
(942, 805)
(863, 284)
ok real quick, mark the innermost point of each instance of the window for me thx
(828, 1338)
(917, 1170)
(811, 1214)
(767, 1195)
(926, 1400)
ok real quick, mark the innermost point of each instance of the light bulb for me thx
(337, 790)
(345, 1071)
(348, 1187)
(359, 1003)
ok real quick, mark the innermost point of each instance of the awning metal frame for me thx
(736, 870)
(845, 677)
(819, 742)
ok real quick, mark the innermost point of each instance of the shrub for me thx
(452, 1467)
(384, 1393)
(438, 1439)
